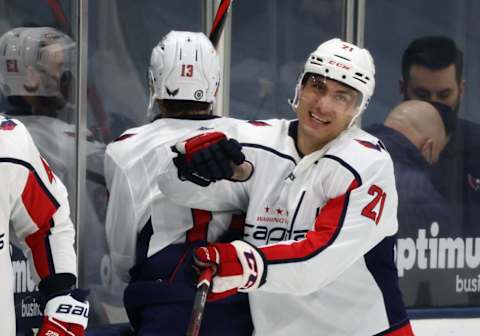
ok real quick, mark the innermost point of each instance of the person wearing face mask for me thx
(432, 71)
(414, 135)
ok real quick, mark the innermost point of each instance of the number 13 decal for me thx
(187, 70)
(370, 210)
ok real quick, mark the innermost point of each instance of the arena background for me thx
(264, 47)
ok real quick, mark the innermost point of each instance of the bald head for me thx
(421, 123)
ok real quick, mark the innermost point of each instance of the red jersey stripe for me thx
(41, 208)
(201, 219)
(326, 228)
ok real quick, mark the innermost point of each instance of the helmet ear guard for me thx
(183, 66)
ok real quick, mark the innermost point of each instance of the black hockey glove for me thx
(207, 158)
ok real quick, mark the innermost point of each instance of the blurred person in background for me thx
(414, 135)
(432, 70)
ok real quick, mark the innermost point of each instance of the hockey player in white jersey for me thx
(151, 239)
(36, 70)
(317, 255)
(33, 202)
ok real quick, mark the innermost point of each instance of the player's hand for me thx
(211, 157)
(238, 267)
(66, 315)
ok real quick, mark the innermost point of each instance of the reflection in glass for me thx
(423, 61)
(269, 42)
(36, 79)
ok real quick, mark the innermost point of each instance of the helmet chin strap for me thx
(294, 102)
(360, 109)
(355, 117)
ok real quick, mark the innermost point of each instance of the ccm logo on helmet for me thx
(339, 65)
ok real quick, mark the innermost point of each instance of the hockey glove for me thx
(237, 266)
(210, 157)
(66, 315)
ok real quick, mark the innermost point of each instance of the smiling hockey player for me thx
(329, 269)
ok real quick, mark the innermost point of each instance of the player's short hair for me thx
(183, 107)
(434, 53)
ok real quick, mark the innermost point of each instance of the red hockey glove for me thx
(66, 315)
(210, 157)
(238, 267)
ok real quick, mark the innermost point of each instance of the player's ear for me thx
(427, 151)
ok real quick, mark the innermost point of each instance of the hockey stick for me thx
(205, 278)
(244, 171)
(219, 21)
(203, 287)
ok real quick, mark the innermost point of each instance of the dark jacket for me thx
(457, 175)
(419, 201)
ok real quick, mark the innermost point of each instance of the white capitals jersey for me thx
(324, 224)
(34, 204)
(56, 142)
(136, 203)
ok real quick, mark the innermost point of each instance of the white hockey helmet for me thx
(345, 63)
(30, 53)
(183, 66)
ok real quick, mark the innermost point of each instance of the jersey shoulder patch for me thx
(258, 123)
(360, 150)
(378, 145)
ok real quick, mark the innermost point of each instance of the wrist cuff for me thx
(253, 264)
